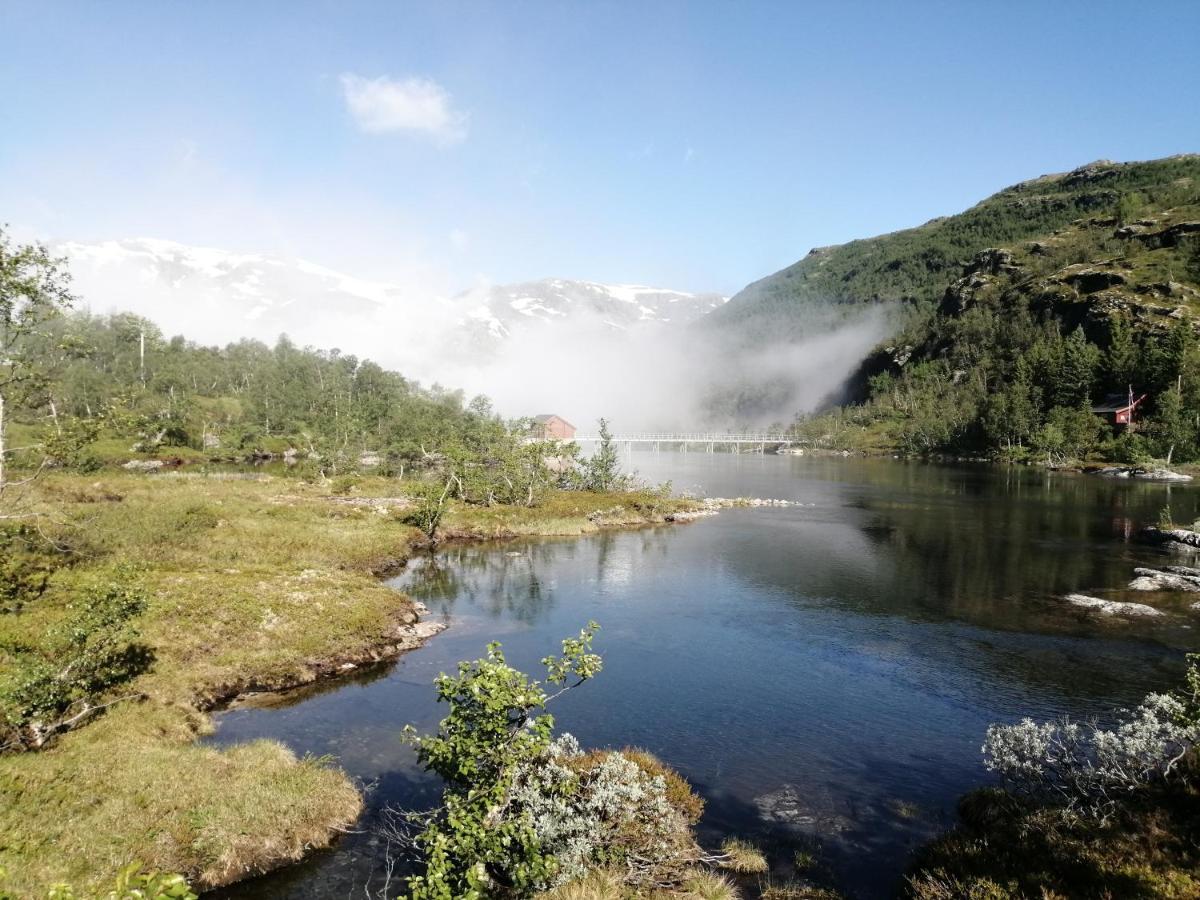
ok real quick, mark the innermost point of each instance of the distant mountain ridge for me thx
(221, 292)
(501, 311)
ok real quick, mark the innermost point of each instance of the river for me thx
(823, 673)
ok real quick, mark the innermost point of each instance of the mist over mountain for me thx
(498, 312)
(528, 346)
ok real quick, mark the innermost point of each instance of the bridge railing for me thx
(679, 437)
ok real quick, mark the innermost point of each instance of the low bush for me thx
(1088, 769)
(26, 561)
(47, 688)
(523, 812)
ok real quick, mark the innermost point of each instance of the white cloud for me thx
(383, 104)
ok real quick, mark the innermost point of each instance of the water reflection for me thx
(823, 673)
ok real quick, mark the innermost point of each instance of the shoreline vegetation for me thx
(252, 585)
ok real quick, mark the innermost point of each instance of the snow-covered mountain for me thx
(216, 296)
(501, 310)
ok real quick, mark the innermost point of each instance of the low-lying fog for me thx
(646, 376)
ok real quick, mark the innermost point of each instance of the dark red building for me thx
(1119, 409)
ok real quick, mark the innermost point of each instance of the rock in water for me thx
(788, 807)
(1111, 607)
(1154, 580)
(1175, 537)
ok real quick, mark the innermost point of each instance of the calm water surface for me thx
(823, 674)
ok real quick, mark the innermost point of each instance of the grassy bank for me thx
(251, 584)
(1004, 849)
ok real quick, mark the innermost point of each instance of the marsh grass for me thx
(743, 857)
(710, 886)
(252, 584)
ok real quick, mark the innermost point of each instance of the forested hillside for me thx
(1020, 314)
(171, 396)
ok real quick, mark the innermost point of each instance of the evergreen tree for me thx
(1077, 370)
(1120, 361)
(602, 472)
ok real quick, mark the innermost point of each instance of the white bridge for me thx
(706, 441)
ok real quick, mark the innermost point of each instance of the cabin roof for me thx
(1115, 403)
(546, 417)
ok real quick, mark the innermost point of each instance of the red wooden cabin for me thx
(1119, 409)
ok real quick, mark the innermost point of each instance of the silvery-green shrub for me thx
(1088, 768)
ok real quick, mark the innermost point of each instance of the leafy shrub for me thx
(1127, 447)
(428, 507)
(522, 812)
(496, 726)
(343, 485)
(1090, 769)
(1087, 768)
(48, 688)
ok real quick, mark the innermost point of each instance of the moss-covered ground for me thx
(253, 583)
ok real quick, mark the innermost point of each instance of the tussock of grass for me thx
(595, 885)
(743, 857)
(252, 584)
(710, 886)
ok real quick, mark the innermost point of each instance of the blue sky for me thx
(691, 145)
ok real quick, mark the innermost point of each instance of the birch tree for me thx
(34, 290)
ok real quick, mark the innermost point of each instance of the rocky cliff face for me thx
(1147, 272)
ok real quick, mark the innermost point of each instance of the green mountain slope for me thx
(1020, 314)
(914, 267)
